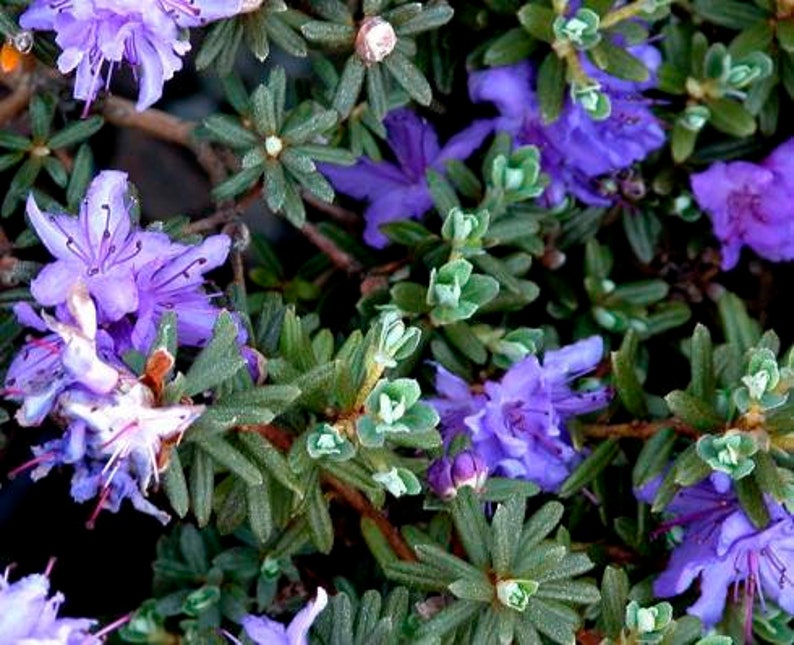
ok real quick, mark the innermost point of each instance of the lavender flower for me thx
(456, 401)
(722, 548)
(448, 474)
(99, 247)
(264, 631)
(519, 429)
(175, 284)
(28, 616)
(575, 150)
(750, 204)
(97, 36)
(400, 191)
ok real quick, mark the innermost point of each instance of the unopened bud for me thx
(375, 40)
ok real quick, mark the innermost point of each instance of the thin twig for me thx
(362, 505)
(341, 259)
(637, 429)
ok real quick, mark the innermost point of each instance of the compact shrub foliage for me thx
(427, 322)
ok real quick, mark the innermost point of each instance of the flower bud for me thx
(439, 476)
(469, 469)
(375, 40)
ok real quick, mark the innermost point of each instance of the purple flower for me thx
(99, 248)
(575, 150)
(448, 474)
(28, 616)
(264, 631)
(399, 191)
(751, 204)
(519, 427)
(97, 36)
(456, 401)
(175, 283)
(722, 548)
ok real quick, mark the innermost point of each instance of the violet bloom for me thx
(175, 283)
(399, 191)
(575, 150)
(29, 616)
(448, 474)
(751, 204)
(100, 248)
(97, 36)
(722, 548)
(456, 400)
(264, 631)
(520, 430)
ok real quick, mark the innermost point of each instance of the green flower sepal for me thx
(730, 453)
(325, 441)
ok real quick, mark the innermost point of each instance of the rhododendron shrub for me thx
(396, 322)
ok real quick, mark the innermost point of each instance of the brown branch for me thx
(225, 214)
(159, 124)
(354, 498)
(341, 259)
(637, 429)
(362, 505)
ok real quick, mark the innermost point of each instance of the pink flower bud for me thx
(375, 40)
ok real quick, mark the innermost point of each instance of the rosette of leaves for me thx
(748, 446)
(36, 153)
(392, 409)
(599, 30)
(381, 45)
(273, 22)
(277, 145)
(725, 87)
(515, 582)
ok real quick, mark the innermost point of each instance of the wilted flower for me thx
(28, 616)
(400, 191)
(575, 150)
(97, 36)
(519, 427)
(750, 204)
(265, 631)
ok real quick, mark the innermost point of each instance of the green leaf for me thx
(202, 486)
(467, 513)
(328, 33)
(654, 457)
(682, 142)
(227, 455)
(733, 14)
(260, 514)
(628, 385)
(507, 517)
(752, 501)
(41, 111)
(270, 459)
(409, 77)
(219, 360)
(538, 21)
(432, 16)
(551, 87)
(349, 86)
(175, 486)
(614, 596)
(82, 172)
(731, 118)
(237, 183)
(590, 468)
(785, 34)
(76, 132)
(511, 47)
(693, 411)
(448, 619)
(619, 62)
(702, 365)
(320, 525)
